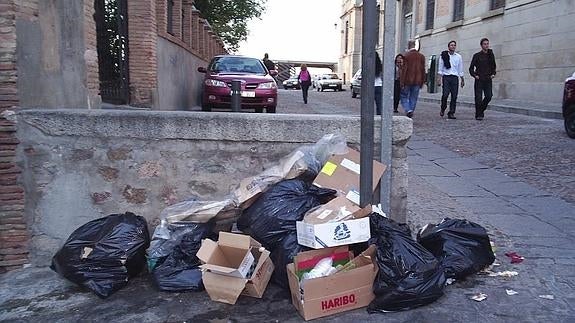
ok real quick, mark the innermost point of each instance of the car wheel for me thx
(570, 125)
(353, 94)
(339, 88)
(271, 109)
(285, 88)
(259, 110)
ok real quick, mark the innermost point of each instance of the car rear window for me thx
(242, 65)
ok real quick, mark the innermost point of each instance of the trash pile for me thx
(299, 225)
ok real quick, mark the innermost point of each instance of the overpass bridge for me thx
(286, 68)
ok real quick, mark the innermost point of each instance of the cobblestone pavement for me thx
(493, 172)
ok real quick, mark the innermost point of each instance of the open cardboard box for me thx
(341, 173)
(235, 264)
(349, 288)
(336, 223)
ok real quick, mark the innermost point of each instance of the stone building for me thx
(533, 40)
(88, 55)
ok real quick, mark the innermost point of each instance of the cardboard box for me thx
(341, 173)
(236, 264)
(336, 223)
(343, 291)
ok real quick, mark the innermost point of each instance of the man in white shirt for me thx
(451, 70)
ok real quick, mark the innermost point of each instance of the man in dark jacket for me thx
(412, 77)
(483, 68)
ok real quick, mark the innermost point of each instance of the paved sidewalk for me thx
(530, 108)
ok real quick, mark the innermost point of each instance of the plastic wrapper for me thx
(103, 254)
(274, 214)
(409, 275)
(462, 247)
(196, 211)
(304, 162)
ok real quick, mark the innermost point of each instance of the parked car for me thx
(329, 81)
(291, 83)
(258, 87)
(569, 106)
(356, 84)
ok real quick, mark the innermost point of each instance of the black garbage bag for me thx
(104, 253)
(179, 271)
(462, 247)
(283, 255)
(409, 276)
(274, 214)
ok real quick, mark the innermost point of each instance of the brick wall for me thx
(142, 41)
(13, 230)
(91, 54)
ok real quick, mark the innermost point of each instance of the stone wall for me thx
(80, 165)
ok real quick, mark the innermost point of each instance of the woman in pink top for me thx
(304, 79)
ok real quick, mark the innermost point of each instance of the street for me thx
(509, 173)
(535, 150)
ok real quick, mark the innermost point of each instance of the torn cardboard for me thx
(235, 264)
(341, 173)
(336, 223)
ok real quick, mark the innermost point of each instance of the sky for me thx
(296, 30)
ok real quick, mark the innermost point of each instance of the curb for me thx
(503, 108)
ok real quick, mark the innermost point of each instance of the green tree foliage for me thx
(229, 18)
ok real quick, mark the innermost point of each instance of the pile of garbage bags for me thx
(103, 254)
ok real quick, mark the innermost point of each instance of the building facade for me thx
(90, 54)
(532, 39)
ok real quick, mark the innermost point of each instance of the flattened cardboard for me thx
(341, 173)
(340, 292)
(225, 264)
(336, 223)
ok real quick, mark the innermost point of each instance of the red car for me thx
(258, 88)
(569, 106)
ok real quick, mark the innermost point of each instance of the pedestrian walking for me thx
(412, 78)
(483, 69)
(378, 84)
(451, 70)
(304, 79)
(269, 64)
(396, 83)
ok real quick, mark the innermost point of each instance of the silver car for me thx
(329, 81)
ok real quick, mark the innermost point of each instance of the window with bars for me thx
(496, 4)
(430, 14)
(458, 9)
(170, 22)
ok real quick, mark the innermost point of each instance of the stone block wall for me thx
(80, 165)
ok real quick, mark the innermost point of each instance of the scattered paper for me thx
(479, 297)
(495, 263)
(511, 292)
(450, 281)
(506, 273)
(547, 297)
(515, 257)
